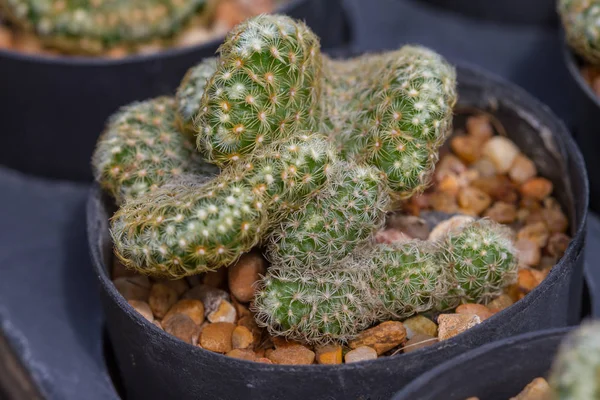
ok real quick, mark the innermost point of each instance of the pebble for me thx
(467, 148)
(527, 280)
(157, 323)
(363, 353)
(419, 341)
(244, 274)
(500, 303)
(502, 152)
(480, 310)
(242, 354)
(119, 270)
(529, 252)
(501, 212)
(538, 188)
(229, 13)
(209, 296)
(193, 36)
(133, 287)
(179, 285)
(450, 325)
(536, 232)
(449, 164)
(264, 360)
(216, 279)
(538, 389)
(6, 38)
(381, 338)
(242, 338)
(479, 126)
(117, 52)
(555, 219)
(217, 337)
(225, 312)
(522, 169)
(420, 324)
(414, 227)
(485, 168)
(499, 187)
(442, 202)
(240, 309)
(182, 327)
(474, 200)
(390, 236)
(190, 307)
(329, 354)
(558, 244)
(162, 298)
(143, 308)
(250, 323)
(449, 184)
(292, 355)
(443, 228)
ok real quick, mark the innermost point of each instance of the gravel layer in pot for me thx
(59, 105)
(497, 371)
(153, 363)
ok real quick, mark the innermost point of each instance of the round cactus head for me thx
(581, 21)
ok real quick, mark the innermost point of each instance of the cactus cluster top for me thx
(311, 152)
(581, 21)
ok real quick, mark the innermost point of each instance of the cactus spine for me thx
(581, 20)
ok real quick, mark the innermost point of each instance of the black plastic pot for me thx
(532, 12)
(154, 364)
(54, 108)
(587, 123)
(496, 371)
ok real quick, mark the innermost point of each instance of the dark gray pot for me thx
(496, 371)
(54, 108)
(154, 364)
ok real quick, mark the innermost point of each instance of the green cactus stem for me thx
(581, 21)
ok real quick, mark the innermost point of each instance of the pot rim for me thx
(167, 53)
(573, 67)
(557, 272)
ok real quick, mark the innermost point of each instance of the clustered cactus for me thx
(576, 369)
(93, 26)
(271, 115)
(581, 21)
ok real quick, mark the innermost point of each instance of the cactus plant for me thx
(575, 372)
(581, 21)
(266, 87)
(141, 149)
(93, 26)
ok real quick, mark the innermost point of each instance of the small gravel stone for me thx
(480, 127)
(538, 188)
(244, 274)
(442, 202)
(292, 355)
(558, 244)
(419, 341)
(250, 323)
(390, 236)
(194, 36)
(133, 287)
(182, 327)
(216, 279)
(467, 148)
(485, 168)
(161, 299)
(501, 212)
(242, 354)
(449, 164)
(362, 353)
(500, 303)
(529, 252)
(381, 338)
(179, 285)
(157, 323)
(502, 152)
(474, 200)
(499, 187)
(538, 389)
(527, 280)
(329, 354)
(522, 169)
(264, 360)
(224, 313)
(444, 227)
(6, 38)
(475, 309)
(242, 338)
(190, 307)
(209, 296)
(450, 325)
(412, 226)
(536, 232)
(217, 337)
(555, 219)
(143, 308)
(240, 309)
(420, 324)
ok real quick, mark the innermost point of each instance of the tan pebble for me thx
(522, 169)
(157, 323)
(449, 184)
(280, 342)
(527, 280)
(555, 219)
(193, 36)
(143, 308)
(117, 52)
(501, 212)
(150, 47)
(250, 323)
(217, 337)
(190, 307)
(255, 7)
(410, 225)
(264, 360)
(241, 338)
(329, 354)
(119, 270)
(475, 309)
(179, 285)
(500, 303)
(382, 337)
(240, 309)
(530, 203)
(133, 287)
(419, 341)
(161, 299)
(529, 253)
(229, 13)
(502, 152)
(244, 274)
(480, 127)
(537, 233)
(449, 164)
(6, 38)
(468, 148)
(484, 167)
(209, 296)
(224, 313)
(538, 188)
(182, 327)
(27, 43)
(390, 236)
(363, 353)
(499, 187)
(420, 324)
(450, 325)
(558, 244)
(216, 279)
(242, 354)
(292, 355)
(538, 389)
(444, 202)
(474, 199)
(443, 228)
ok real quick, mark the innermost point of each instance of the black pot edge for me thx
(573, 67)
(557, 272)
(168, 53)
(464, 358)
